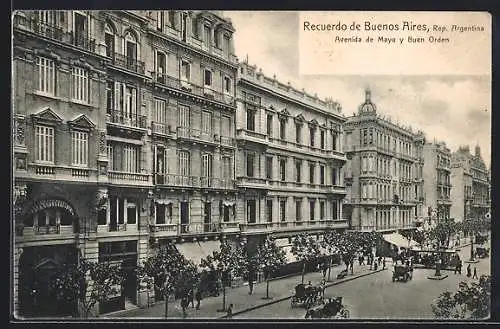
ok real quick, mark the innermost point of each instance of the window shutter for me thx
(117, 97)
(156, 63)
(123, 106)
(143, 161)
(155, 161)
(133, 110)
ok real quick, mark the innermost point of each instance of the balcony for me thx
(128, 63)
(251, 136)
(277, 227)
(217, 183)
(163, 230)
(337, 189)
(229, 227)
(77, 39)
(123, 119)
(199, 228)
(250, 182)
(46, 232)
(53, 172)
(194, 181)
(128, 178)
(196, 135)
(187, 86)
(161, 129)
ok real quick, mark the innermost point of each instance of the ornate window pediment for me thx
(284, 114)
(82, 122)
(313, 123)
(47, 116)
(299, 119)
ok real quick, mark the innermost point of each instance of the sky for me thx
(454, 109)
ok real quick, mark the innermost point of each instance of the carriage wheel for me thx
(346, 314)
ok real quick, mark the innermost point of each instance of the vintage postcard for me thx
(227, 165)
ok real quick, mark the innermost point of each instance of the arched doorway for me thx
(38, 267)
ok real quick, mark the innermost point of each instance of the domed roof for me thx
(367, 106)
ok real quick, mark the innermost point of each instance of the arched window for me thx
(130, 49)
(109, 39)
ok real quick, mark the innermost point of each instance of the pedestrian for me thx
(352, 265)
(456, 269)
(475, 273)
(184, 305)
(383, 263)
(250, 281)
(229, 311)
(468, 271)
(198, 298)
(460, 264)
(191, 297)
(322, 286)
(379, 260)
(375, 266)
(325, 267)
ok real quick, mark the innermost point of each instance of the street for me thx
(377, 297)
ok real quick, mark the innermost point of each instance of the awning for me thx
(164, 201)
(398, 240)
(282, 242)
(229, 203)
(196, 251)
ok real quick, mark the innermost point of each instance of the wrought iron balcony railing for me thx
(126, 119)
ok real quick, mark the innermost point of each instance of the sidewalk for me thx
(279, 290)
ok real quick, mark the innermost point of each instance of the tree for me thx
(229, 261)
(167, 270)
(305, 248)
(473, 226)
(87, 283)
(471, 301)
(442, 232)
(269, 258)
(330, 244)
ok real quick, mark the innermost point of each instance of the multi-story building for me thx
(437, 182)
(124, 137)
(470, 176)
(290, 158)
(383, 174)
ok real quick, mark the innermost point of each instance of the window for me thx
(334, 176)
(185, 71)
(322, 140)
(217, 40)
(161, 66)
(269, 208)
(206, 121)
(47, 17)
(46, 75)
(160, 213)
(251, 119)
(311, 136)
(298, 210)
(226, 42)
(80, 30)
(207, 35)
(131, 213)
(110, 97)
(183, 116)
(250, 164)
(226, 167)
(80, 84)
(269, 167)
(160, 161)
(334, 141)
(44, 144)
(184, 165)
(131, 159)
(282, 128)
(80, 147)
(312, 206)
(269, 124)
(131, 51)
(184, 26)
(370, 140)
(227, 85)
(321, 210)
(171, 18)
(283, 210)
(130, 102)
(298, 131)
(160, 20)
(160, 113)
(206, 169)
(298, 169)
(311, 173)
(251, 211)
(322, 174)
(283, 169)
(207, 78)
(334, 210)
(111, 164)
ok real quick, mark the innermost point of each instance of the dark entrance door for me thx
(130, 282)
(207, 216)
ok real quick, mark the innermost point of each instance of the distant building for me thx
(437, 182)
(471, 198)
(383, 173)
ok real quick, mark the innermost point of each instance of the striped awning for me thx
(196, 251)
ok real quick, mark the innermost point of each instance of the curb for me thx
(280, 299)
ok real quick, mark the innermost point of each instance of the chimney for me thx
(478, 151)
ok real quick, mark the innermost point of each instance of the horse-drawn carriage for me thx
(402, 273)
(482, 252)
(333, 308)
(307, 295)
